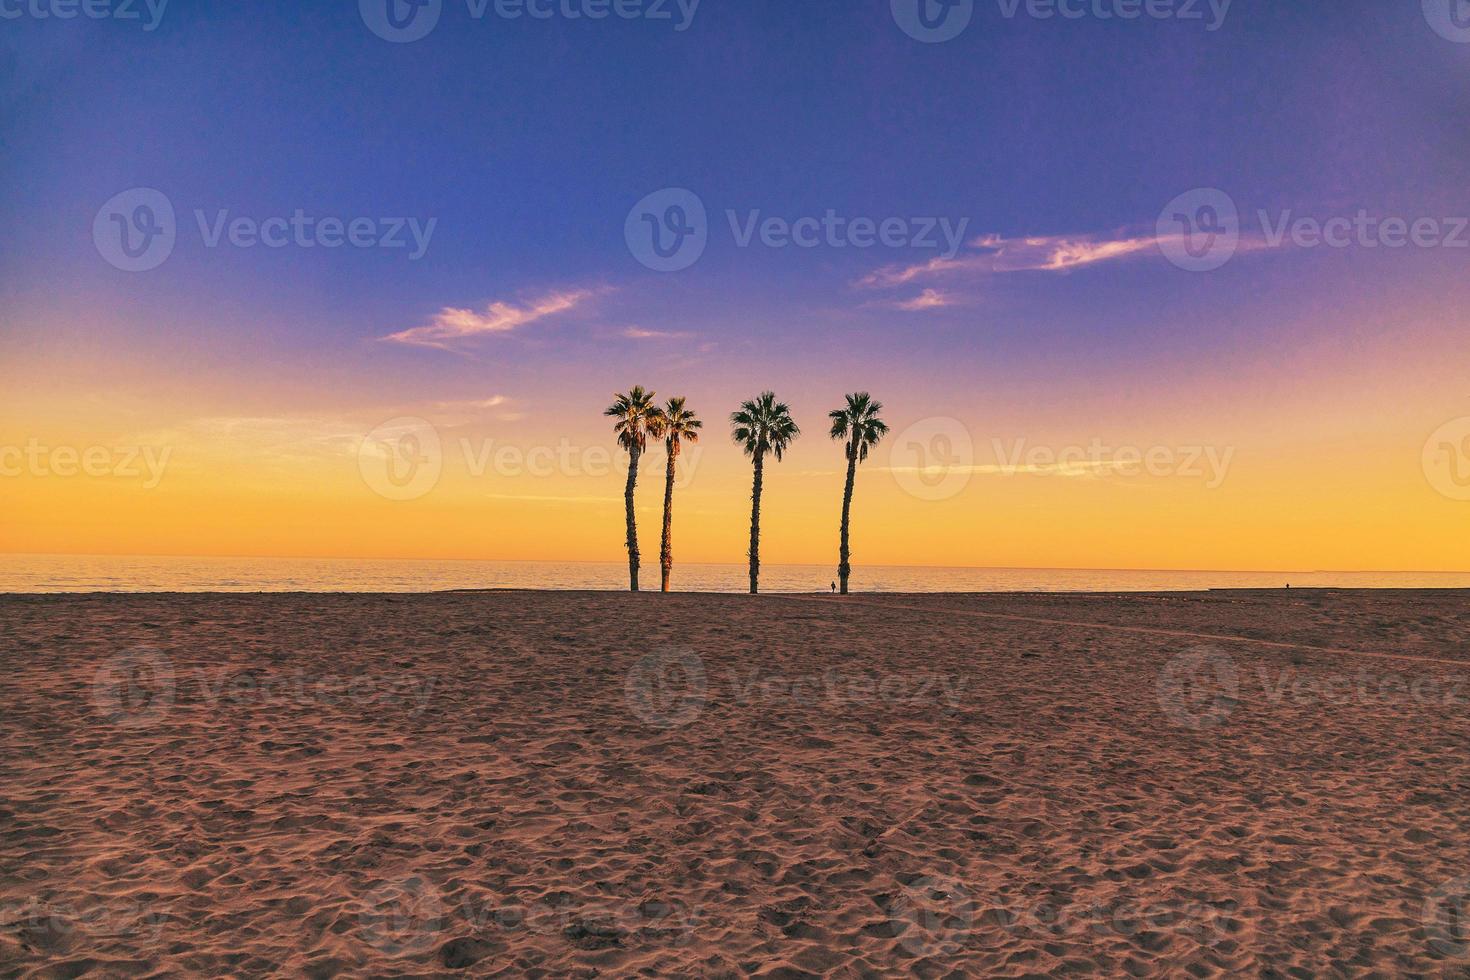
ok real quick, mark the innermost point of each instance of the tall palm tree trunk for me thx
(755, 525)
(666, 549)
(843, 551)
(632, 521)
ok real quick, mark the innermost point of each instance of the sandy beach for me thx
(582, 784)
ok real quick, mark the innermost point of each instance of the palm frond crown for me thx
(763, 425)
(678, 424)
(637, 418)
(858, 424)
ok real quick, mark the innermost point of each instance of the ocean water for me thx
(110, 573)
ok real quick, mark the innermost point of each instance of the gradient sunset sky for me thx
(1320, 372)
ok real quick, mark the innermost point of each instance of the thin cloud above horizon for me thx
(995, 254)
(501, 408)
(456, 324)
(494, 401)
(1077, 470)
(639, 333)
(929, 299)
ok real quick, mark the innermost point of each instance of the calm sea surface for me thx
(96, 573)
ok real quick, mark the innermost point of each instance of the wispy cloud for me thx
(929, 299)
(994, 254)
(454, 324)
(494, 401)
(272, 440)
(1060, 253)
(548, 499)
(638, 333)
(902, 275)
(499, 407)
(1079, 470)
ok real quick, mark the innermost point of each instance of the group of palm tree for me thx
(761, 427)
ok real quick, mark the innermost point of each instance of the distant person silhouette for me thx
(834, 586)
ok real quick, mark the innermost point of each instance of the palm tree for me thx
(678, 424)
(761, 426)
(637, 418)
(859, 426)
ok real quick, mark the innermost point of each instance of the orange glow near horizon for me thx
(1320, 470)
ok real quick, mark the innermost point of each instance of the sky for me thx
(1164, 285)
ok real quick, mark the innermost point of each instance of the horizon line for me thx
(623, 563)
